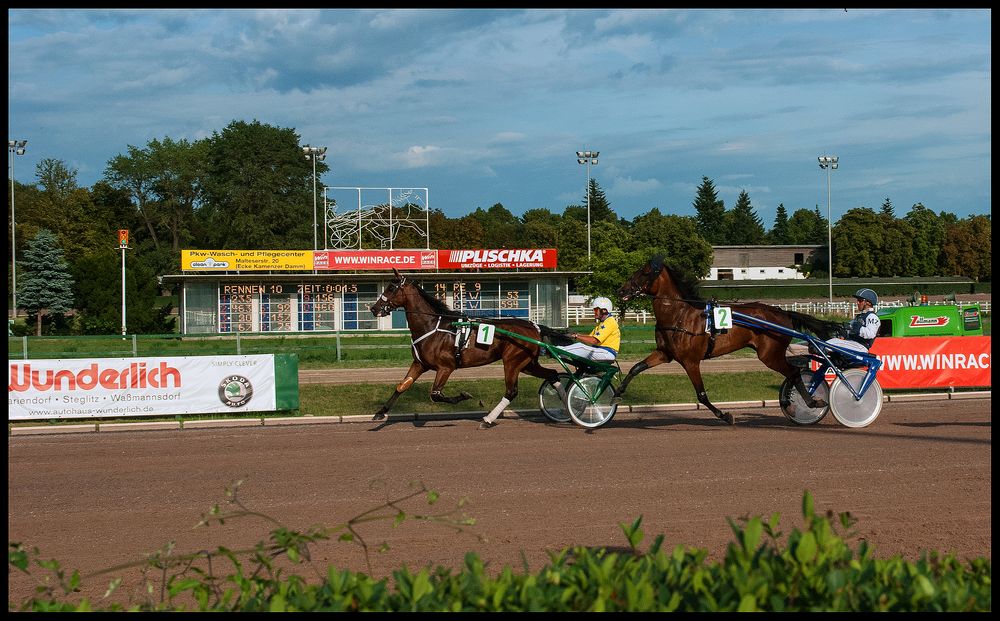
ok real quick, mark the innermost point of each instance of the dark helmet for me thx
(868, 295)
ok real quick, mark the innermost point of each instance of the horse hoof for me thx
(487, 425)
(379, 416)
(729, 418)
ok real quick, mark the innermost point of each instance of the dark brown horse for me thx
(681, 331)
(435, 345)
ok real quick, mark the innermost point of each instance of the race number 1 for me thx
(723, 317)
(484, 336)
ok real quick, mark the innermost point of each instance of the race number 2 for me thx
(723, 316)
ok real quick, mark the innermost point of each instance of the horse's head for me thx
(392, 297)
(641, 281)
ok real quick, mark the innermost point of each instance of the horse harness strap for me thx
(710, 330)
(437, 328)
(461, 340)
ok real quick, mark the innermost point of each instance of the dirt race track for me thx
(918, 478)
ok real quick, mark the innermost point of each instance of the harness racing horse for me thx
(435, 346)
(681, 331)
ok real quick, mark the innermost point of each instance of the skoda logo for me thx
(235, 391)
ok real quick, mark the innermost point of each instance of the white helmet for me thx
(604, 303)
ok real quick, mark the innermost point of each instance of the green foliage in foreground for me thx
(813, 570)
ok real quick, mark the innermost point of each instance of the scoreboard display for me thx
(324, 306)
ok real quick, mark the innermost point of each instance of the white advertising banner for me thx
(127, 387)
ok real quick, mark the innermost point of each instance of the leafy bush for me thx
(814, 570)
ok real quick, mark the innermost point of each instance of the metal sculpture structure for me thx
(378, 220)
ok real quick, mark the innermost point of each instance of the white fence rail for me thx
(582, 314)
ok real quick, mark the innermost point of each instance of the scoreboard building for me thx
(226, 291)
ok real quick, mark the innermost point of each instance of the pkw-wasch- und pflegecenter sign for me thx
(128, 387)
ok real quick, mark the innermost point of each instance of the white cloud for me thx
(627, 186)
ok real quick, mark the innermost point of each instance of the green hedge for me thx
(814, 570)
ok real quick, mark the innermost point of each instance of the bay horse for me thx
(681, 331)
(435, 346)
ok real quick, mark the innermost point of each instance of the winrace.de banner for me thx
(931, 361)
(505, 258)
(358, 260)
(246, 260)
(128, 387)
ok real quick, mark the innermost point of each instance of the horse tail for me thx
(821, 328)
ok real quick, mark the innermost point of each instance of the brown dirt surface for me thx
(917, 479)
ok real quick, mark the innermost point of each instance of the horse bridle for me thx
(393, 286)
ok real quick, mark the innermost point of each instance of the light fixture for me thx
(315, 154)
(14, 147)
(588, 158)
(828, 163)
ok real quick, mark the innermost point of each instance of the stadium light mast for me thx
(14, 147)
(315, 154)
(589, 158)
(829, 163)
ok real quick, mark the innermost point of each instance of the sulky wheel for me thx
(586, 413)
(795, 408)
(551, 403)
(850, 411)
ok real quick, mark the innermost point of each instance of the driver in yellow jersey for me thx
(604, 341)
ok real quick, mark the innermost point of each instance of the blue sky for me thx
(490, 106)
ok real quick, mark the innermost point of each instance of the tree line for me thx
(248, 186)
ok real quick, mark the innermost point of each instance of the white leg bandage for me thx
(495, 414)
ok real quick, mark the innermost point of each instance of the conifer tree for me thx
(778, 235)
(743, 226)
(711, 213)
(46, 287)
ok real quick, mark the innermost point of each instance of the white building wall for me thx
(757, 273)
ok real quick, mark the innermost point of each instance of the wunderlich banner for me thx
(128, 387)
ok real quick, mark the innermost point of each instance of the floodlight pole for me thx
(588, 158)
(14, 147)
(829, 163)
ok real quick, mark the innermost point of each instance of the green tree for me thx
(258, 189)
(710, 213)
(179, 167)
(928, 237)
(896, 251)
(541, 228)
(887, 209)
(743, 225)
(136, 174)
(674, 237)
(806, 227)
(45, 287)
(572, 245)
(600, 208)
(856, 242)
(501, 227)
(968, 248)
(779, 234)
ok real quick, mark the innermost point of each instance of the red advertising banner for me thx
(358, 260)
(932, 361)
(505, 258)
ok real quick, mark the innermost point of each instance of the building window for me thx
(799, 258)
(725, 274)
